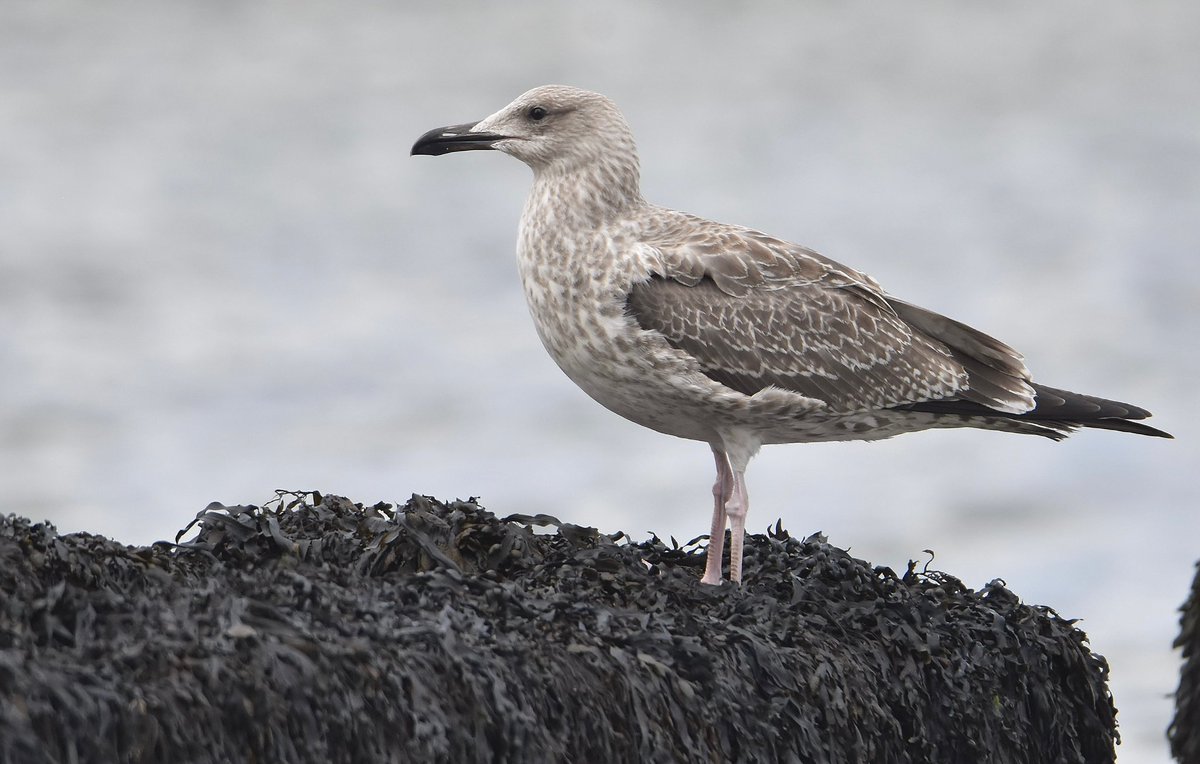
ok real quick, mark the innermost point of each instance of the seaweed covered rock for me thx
(1185, 729)
(321, 630)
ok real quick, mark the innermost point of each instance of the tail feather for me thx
(1055, 413)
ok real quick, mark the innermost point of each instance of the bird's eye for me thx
(537, 113)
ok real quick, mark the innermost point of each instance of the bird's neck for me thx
(587, 195)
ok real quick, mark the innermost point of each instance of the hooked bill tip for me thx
(444, 140)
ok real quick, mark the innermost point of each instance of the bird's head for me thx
(553, 128)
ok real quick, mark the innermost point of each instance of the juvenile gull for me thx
(722, 334)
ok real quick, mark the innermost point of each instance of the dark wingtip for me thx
(1124, 425)
(1056, 413)
(1094, 412)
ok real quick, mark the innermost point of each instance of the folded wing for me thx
(756, 312)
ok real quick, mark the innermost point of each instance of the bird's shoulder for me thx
(739, 260)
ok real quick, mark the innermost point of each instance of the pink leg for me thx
(722, 489)
(737, 507)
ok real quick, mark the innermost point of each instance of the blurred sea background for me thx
(222, 274)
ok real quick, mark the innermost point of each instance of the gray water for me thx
(221, 274)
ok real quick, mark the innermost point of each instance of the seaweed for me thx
(1184, 731)
(317, 629)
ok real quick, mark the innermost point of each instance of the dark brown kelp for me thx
(321, 630)
(1185, 729)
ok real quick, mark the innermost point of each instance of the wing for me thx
(757, 312)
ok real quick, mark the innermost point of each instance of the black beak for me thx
(443, 140)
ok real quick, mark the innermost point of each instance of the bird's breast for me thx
(576, 298)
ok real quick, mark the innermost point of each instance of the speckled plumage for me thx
(722, 334)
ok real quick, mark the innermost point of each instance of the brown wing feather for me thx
(757, 311)
(998, 377)
(823, 343)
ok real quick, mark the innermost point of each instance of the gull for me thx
(722, 334)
